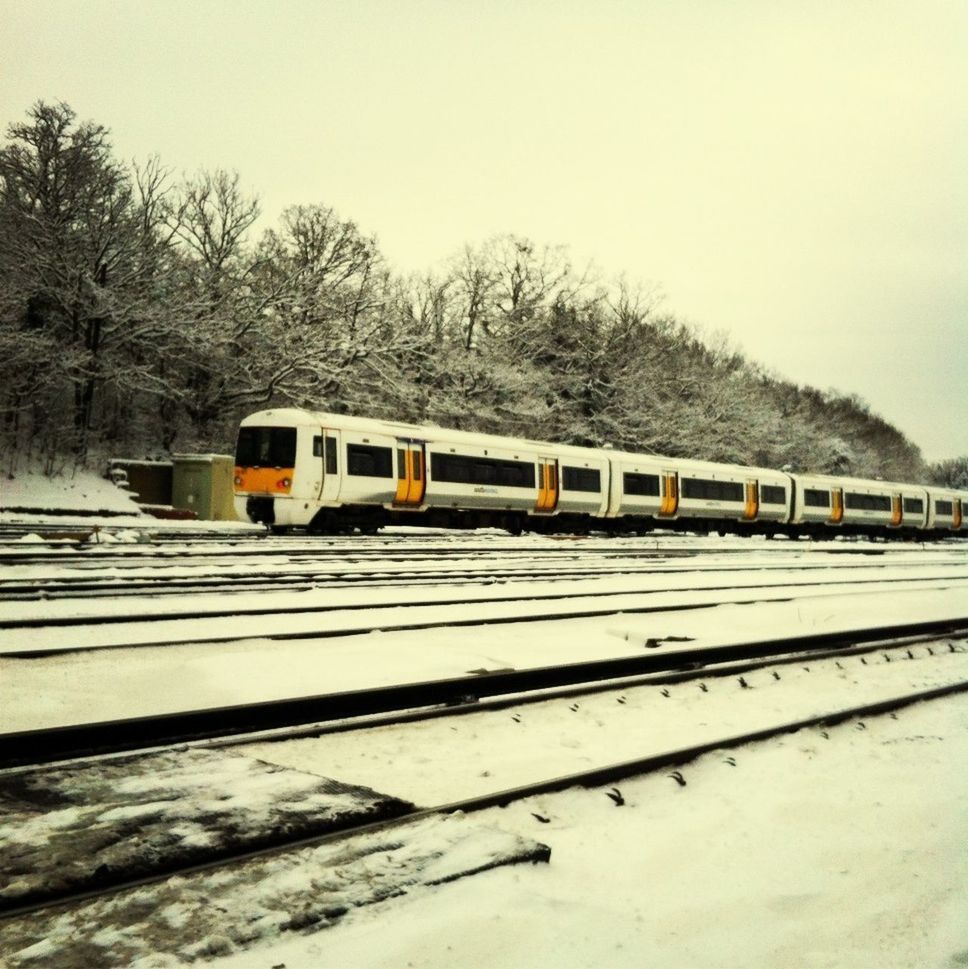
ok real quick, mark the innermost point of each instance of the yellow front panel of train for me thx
(263, 481)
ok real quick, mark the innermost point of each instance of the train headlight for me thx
(284, 483)
(238, 480)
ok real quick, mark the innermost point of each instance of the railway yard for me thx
(431, 748)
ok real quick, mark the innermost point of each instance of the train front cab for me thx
(279, 466)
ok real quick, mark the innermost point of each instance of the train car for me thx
(675, 492)
(327, 472)
(945, 511)
(824, 503)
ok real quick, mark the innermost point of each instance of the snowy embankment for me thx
(31, 494)
(80, 499)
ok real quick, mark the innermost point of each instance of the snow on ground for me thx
(842, 848)
(99, 685)
(75, 827)
(844, 852)
(193, 918)
(31, 492)
(441, 760)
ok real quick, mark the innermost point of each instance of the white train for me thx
(328, 473)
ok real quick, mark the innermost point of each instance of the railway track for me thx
(61, 743)
(48, 635)
(595, 776)
(66, 584)
(402, 547)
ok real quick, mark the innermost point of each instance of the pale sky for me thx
(792, 173)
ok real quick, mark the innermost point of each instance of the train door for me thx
(547, 484)
(411, 473)
(670, 493)
(958, 508)
(897, 510)
(836, 505)
(752, 508)
(328, 453)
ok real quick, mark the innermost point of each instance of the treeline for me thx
(138, 315)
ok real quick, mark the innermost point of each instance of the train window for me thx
(640, 484)
(581, 479)
(772, 495)
(401, 463)
(417, 469)
(317, 445)
(459, 469)
(368, 461)
(944, 507)
(485, 472)
(712, 490)
(330, 451)
(859, 502)
(913, 506)
(266, 447)
(516, 474)
(816, 498)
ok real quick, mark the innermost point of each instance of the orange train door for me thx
(547, 484)
(752, 508)
(897, 510)
(670, 493)
(411, 473)
(957, 511)
(837, 505)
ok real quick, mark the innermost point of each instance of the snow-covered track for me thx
(591, 777)
(169, 580)
(60, 743)
(77, 630)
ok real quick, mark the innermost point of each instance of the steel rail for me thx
(66, 742)
(42, 622)
(91, 586)
(742, 595)
(394, 546)
(509, 701)
(593, 777)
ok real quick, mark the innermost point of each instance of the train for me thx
(323, 473)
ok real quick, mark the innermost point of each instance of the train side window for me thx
(516, 474)
(772, 495)
(712, 490)
(317, 445)
(913, 506)
(485, 472)
(401, 463)
(944, 507)
(640, 484)
(581, 479)
(816, 498)
(368, 461)
(330, 449)
(459, 469)
(867, 502)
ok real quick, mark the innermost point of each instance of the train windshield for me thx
(266, 447)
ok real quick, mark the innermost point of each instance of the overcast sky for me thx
(794, 174)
